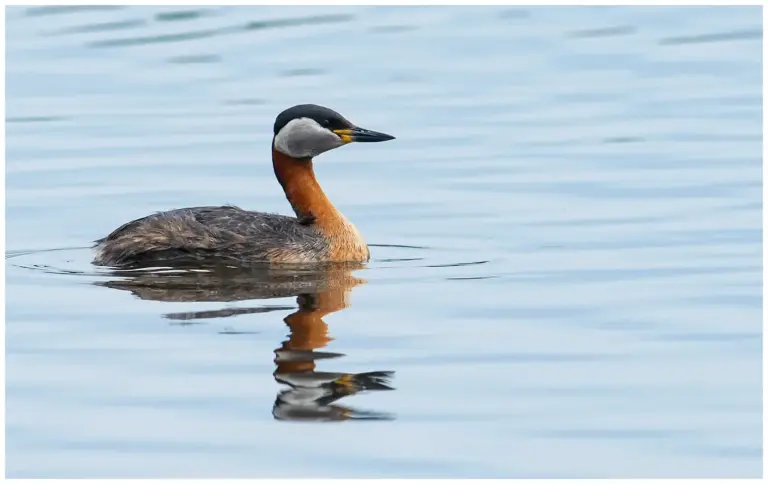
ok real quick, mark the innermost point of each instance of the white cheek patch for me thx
(304, 138)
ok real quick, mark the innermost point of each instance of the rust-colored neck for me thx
(304, 193)
(309, 201)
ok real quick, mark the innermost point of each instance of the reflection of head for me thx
(311, 395)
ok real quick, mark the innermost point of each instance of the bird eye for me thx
(327, 123)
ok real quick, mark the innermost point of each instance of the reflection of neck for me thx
(309, 201)
(308, 331)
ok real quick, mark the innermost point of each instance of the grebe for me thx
(318, 233)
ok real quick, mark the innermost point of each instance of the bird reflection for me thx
(308, 395)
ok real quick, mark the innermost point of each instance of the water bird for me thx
(228, 234)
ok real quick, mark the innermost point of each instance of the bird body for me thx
(318, 233)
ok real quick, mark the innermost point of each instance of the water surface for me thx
(566, 273)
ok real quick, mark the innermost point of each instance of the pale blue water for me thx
(582, 187)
